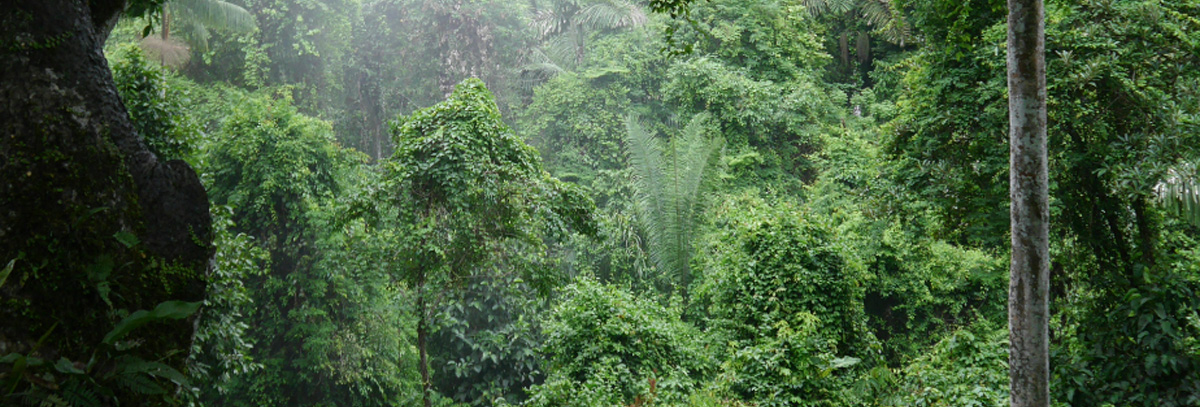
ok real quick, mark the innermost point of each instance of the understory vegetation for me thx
(584, 203)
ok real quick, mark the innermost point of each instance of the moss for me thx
(74, 194)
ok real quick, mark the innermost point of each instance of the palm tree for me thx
(567, 25)
(1179, 193)
(194, 19)
(668, 189)
(882, 16)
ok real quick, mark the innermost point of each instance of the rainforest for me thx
(600, 203)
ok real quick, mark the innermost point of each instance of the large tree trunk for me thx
(73, 174)
(1028, 292)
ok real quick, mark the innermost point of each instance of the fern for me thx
(139, 384)
(76, 394)
(668, 190)
(56, 401)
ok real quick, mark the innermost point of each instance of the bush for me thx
(773, 264)
(778, 288)
(967, 368)
(155, 107)
(608, 348)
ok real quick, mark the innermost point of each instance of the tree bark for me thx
(422, 335)
(73, 174)
(1028, 293)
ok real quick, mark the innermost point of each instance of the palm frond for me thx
(887, 21)
(819, 7)
(1179, 192)
(549, 21)
(541, 69)
(611, 14)
(565, 49)
(645, 158)
(698, 149)
(216, 14)
(196, 33)
(668, 189)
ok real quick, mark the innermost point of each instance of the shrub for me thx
(607, 347)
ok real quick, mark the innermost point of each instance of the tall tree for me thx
(461, 185)
(1029, 282)
(567, 26)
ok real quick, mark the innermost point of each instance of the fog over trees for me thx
(600, 203)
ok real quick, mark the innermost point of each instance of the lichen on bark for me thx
(75, 182)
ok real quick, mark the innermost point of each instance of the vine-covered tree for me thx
(460, 186)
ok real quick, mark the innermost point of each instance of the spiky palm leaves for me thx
(668, 181)
(1179, 193)
(592, 15)
(566, 26)
(194, 19)
(884, 18)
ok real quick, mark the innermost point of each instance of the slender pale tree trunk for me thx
(1028, 290)
(422, 334)
(166, 23)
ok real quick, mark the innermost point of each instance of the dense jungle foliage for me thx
(594, 203)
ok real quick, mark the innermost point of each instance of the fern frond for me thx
(77, 394)
(139, 384)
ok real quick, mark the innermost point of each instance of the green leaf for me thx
(165, 310)
(6, 271)
(66, 366)
(133, 365)
(844, 362)
(126, 238)
(141, 385)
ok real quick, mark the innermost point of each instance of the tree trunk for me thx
(166, 23)
(73, 174)
(1028, 292)
(422, 335)
(1146, 232)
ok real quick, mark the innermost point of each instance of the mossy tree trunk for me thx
(1029, 284)
(75, 176)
